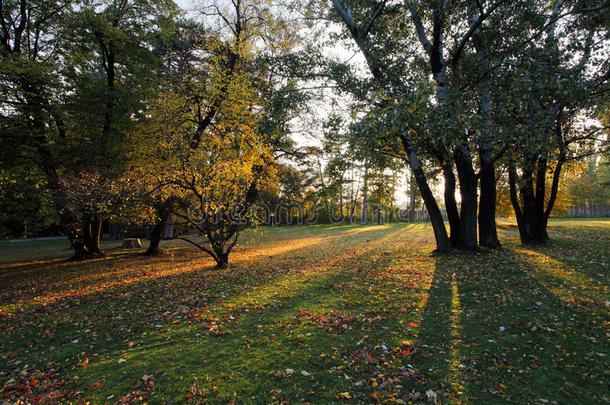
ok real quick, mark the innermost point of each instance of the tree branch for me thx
(374, 18)
(473, 27)
(202, 248)
(419, 28)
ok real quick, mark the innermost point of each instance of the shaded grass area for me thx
(23, 252)
(11, 252)
(53, 250)
(318, 314)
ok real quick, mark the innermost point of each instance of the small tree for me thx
(209, 129)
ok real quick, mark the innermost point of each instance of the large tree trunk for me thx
(440, 232)
(488, 234)
(412, 196)
(514, 199)
(88, 244)
(528, 205)
(155, 239)
(154, 246)
(468, 192)
(365, 195)
(164, 210)
(95, 234)
(450, 204)
(222, 260)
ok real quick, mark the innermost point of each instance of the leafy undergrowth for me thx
(319, 314)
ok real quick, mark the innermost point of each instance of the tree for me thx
(73, 74)
(466, 48)
(32, 129)
(389, 84)
(368, 36)
(590, 185)
(24, 203)
(564, 81)
(212, 129)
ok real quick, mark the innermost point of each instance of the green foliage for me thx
(592, 185)
(24, 199)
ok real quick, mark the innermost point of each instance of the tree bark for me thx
(468, 192)
(529, 207)
(155, 238)
(89, 244)
(440, 232)
(95, 235)
(412, 186)
(450, 204)
(514, 199)
(222, 261)
(154, 247)
(365, 195)
(488, 234)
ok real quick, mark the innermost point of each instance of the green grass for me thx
(12, 253)
(316, 314)
(51, 250)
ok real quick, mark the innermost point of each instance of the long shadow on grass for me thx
(227, 353)
(439, 343)
(124, 289)
(103, 323)
(494, 333)
(70, 277)
(38, 269)
(591, 259)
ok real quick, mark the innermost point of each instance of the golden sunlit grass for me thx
(315, 314)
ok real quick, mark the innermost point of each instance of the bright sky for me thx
(186, 4)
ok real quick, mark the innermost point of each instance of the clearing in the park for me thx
(314, 314)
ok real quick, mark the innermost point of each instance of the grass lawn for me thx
(12, 253)
(316, 314)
